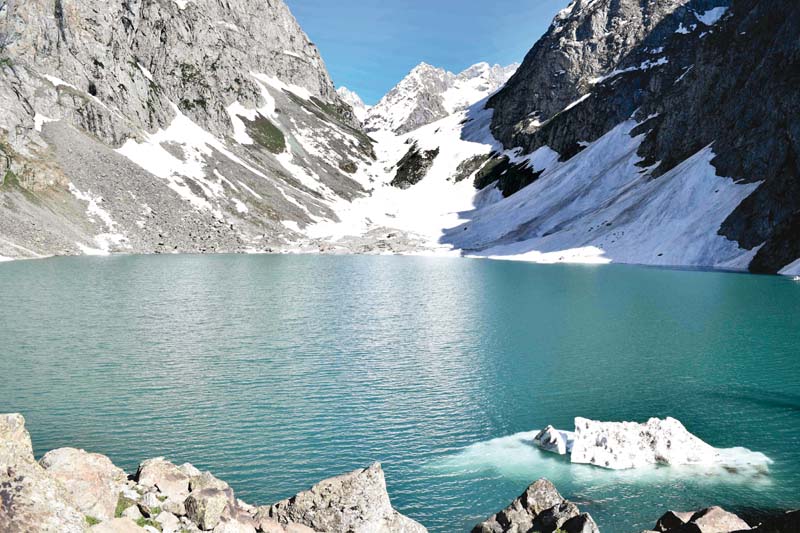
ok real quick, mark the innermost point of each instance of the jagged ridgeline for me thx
(159, 125)
(713, 79)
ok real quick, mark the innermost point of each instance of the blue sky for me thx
(369, 45)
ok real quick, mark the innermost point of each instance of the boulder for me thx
(553, 440)
(189, 469)
(356, 502)
(150, 504)
(15, 441)
(30, 499)
(622, 445)
(207, 507)
(717, 520)
(672, 519)
(165, 476)
(169, 522)
(92, 481)
(133, 513)
(710, 520)
(176, 508)
(117, 525)
(206, 480)
(582, 523)
(520, 514)
(552, 519)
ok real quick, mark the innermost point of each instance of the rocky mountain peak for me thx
(430, 93)
(586, 41)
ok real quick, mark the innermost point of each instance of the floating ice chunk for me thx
(621, 445)
(628, 445)
(554, 440)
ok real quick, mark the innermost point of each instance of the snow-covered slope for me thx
(606, 174)
(429, 93)
(352, 99)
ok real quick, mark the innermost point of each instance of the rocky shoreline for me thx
(74, 491)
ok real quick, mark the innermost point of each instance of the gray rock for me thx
(92, 481)
(552, 519)
(150, 504)
(673, 519)
(710, 520)
(355, 502)
(207, 507)
(717, 520)
(206, 480)
(169, 522)
(189, 469)
(133, 513)
(30, 499)
(164, 476)
(521, 513)
(580, 524)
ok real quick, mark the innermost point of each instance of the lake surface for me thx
(277, 371)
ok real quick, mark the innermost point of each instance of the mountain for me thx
(657, 133)
(429, 93)
(158, 126)
(352, 99)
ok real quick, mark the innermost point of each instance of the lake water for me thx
(277, 371)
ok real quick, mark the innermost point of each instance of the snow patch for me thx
(792, 269)
(104, 241)
(146, 73)
(712, 16)
(600, 206)
(40, 120)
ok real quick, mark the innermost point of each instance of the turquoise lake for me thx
(277, 371)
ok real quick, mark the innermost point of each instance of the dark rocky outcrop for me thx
(542, 509)
(510, 177)
(413, 166)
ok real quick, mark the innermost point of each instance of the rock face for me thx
(540, 508)
(30, 499)
(586, 41)
(356, 502)
(92, 480)
(429, 93)
(682, 69)
(149, 126)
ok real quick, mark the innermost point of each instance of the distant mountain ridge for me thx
(430, 93)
